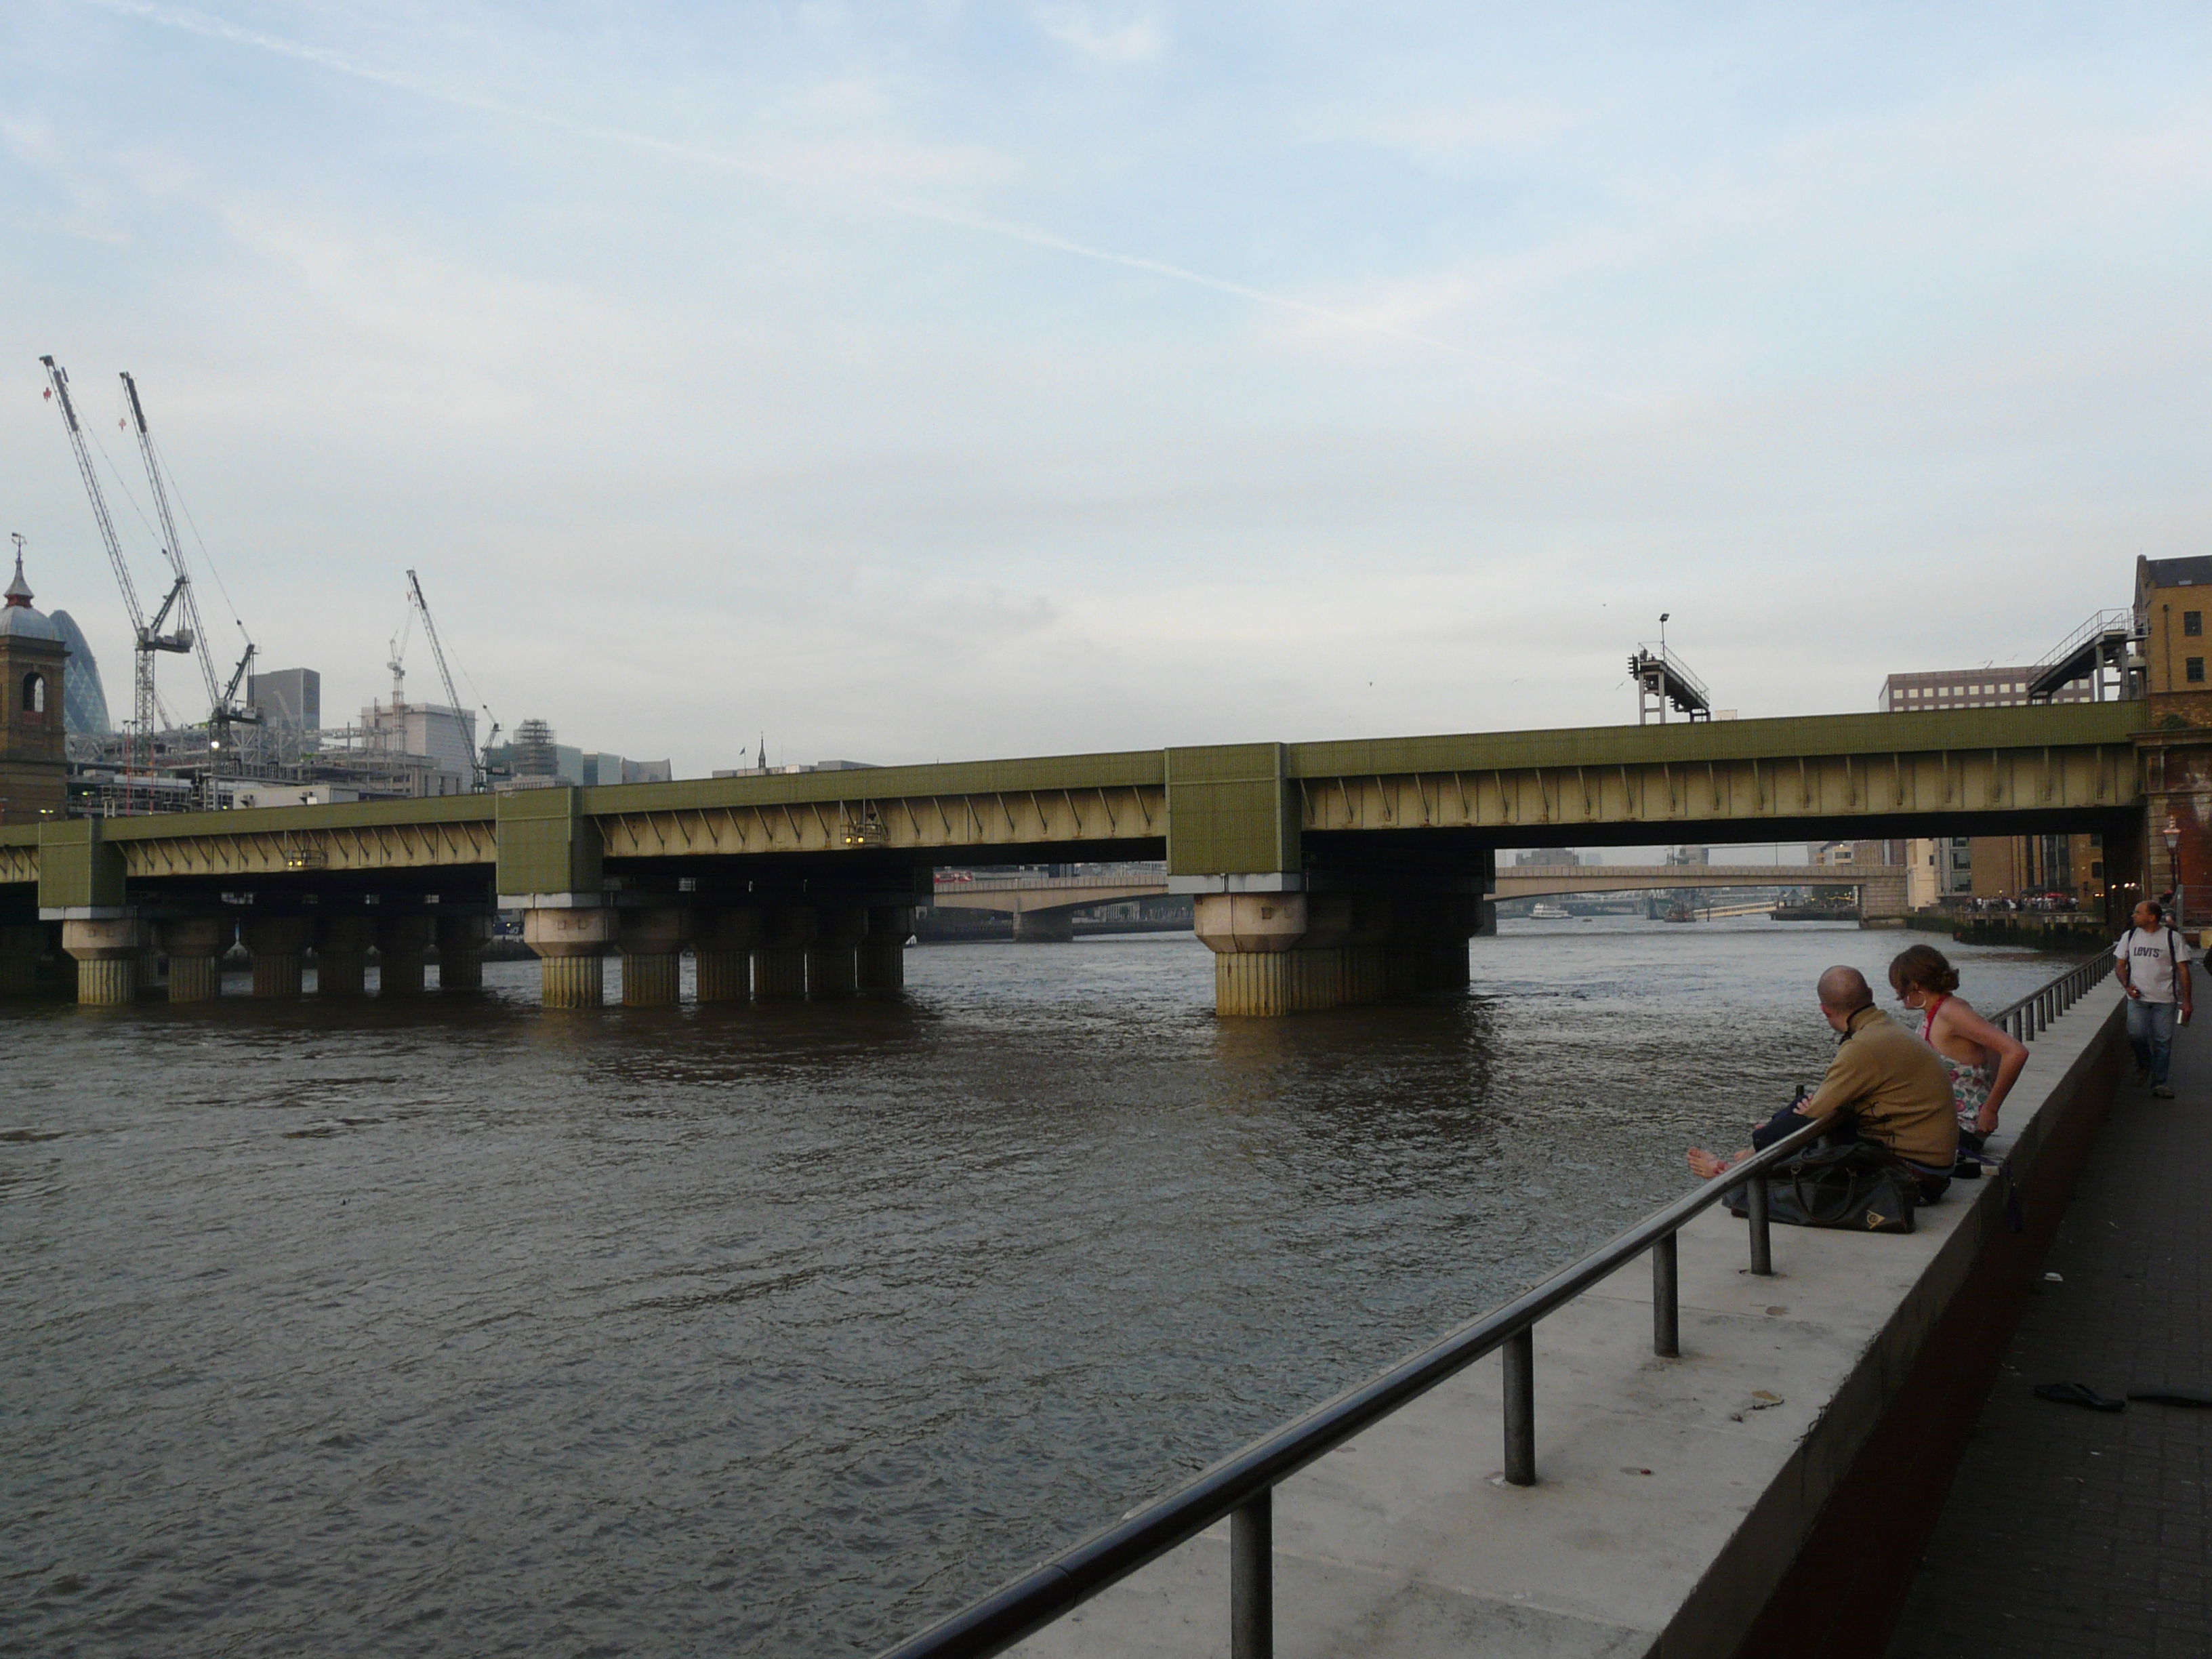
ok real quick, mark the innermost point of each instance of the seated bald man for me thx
(1884, 1085)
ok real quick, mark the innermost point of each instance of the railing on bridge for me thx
(1241, 1486)
(2086, 654)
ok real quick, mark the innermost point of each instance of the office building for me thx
(289, 697)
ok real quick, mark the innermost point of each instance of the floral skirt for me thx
(1970, 1090)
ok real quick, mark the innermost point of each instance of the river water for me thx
(463, 1328)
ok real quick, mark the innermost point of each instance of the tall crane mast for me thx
(479, 761)
(147, 637)
(223, 708)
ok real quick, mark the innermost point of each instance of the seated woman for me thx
(1883, 1086)
(1984, 1061)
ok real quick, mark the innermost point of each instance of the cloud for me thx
(1116, 39)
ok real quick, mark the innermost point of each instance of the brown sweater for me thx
(1898, 1085)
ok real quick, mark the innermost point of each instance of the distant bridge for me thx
(1881, 886)
(1044, 906)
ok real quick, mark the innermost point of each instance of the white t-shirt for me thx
(2150, 957)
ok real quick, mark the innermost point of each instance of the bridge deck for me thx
(1237, 807)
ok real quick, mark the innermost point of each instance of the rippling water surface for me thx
(463, 1328)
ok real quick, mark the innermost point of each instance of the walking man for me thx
(2154, 971)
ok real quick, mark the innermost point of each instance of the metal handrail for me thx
(1241, 1486)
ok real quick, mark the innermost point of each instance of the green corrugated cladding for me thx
(1229, 811)
(1956, 731)
(546, 843)
(78, 868)
(1228, 808)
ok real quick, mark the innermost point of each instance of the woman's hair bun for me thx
(1925, 966)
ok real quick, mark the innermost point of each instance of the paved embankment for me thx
(2069, 1531)
(1674, 1495)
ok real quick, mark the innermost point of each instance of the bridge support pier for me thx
(22, 945)
(1044, 926)
(571, 942)
(1254, 938)
(460, 951)
(724, 952)
(879, 964)
(194, 945)
(651, 941)
(106, 950)
(1882, 902)
(1290, 952)
(402, 947)
(279, 945)
(779, 960)
(343, 942)
(833, 959)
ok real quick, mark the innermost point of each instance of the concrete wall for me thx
(1764, 1493)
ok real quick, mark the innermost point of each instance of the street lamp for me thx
(2173, 866)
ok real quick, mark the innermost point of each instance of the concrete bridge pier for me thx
(1254, 937)
(572, 941)
(879, 964)
(194, 945)
(343, 942)
(780, 959)
(1365, 948)
(1882, 901)
(460, 951)
(651, 939)
(723, 951)
(279, 947)
(106, 950)
(1318, 966)
(403, 950)
(833, 959)
(1044, 926)
(22, 946)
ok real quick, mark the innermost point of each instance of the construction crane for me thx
(147, 637)
(479, 761)
(224, 710)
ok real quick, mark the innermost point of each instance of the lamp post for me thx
(2173, 866)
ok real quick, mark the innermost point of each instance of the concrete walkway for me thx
(2073, 1532)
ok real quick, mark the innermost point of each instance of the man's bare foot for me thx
(1705, 1166)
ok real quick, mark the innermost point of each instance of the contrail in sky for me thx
(216, 28)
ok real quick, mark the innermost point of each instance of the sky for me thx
(949, 380)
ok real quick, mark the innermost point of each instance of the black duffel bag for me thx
(1859, 1186)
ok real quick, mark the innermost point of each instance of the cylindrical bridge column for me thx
(651, 941)
(403, 949)
(832, 960)
(1254, 937)
(572, 943)
(722, 951)
(194, 947)
(342, 947)
(107, 951)
(279, 945)
(880, 962)
(780, 959)
(460, 951)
